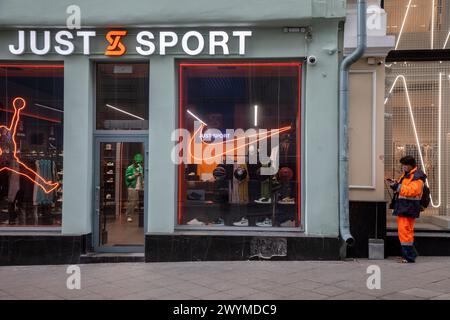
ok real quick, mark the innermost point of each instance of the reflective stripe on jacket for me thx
(410, 191)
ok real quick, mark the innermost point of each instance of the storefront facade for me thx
(417, 115)
(103, 105)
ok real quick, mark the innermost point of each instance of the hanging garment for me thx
(14, 182)
(46, 169)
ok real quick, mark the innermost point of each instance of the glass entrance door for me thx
(120, 195)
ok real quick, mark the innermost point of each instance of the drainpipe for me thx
(344, 225)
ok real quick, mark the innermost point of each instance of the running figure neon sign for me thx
(8, 144)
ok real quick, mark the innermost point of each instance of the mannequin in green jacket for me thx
(134, 180)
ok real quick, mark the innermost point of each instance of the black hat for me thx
(408, 161)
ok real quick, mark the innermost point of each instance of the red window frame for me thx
(297, 64)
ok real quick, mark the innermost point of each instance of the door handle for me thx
(97, 200)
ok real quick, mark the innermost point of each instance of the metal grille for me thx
(420, 122)
(419, 24)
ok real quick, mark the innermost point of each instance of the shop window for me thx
(31, 144)
(419, 24)
(122, 96)
(417, 123)
(240, 145)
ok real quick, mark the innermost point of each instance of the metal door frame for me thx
(114, 138)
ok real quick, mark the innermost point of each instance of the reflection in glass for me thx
(121, 193)
(122, 96)
(230, 188)
(31, 144)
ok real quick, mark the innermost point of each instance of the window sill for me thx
(231, 231)
(30, 231)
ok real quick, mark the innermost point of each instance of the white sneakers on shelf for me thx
(264, 200)
(266, 223)
(241, 223)
(288, 223)
(287, 200)
(195, 222)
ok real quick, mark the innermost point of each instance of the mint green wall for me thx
(169, 12)
(78, 146)
(320, 131)
(320, 181)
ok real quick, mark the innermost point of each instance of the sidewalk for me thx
(429, 278)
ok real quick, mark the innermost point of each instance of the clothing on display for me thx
(47, 170)
(240, 108)
(28, 202)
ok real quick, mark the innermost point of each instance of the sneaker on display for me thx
(264, 200)
(241, 223)
(194, 196)
(266, 223)
(110, 164)
(218, 222)
(287, 200)
(129, 219)
(110, 172)
(195, 222)
(288, 223)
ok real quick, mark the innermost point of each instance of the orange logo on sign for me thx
(115, 48)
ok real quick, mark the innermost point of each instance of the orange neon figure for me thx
(47, 186)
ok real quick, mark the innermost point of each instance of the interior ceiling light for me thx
(432, 25)
(195, 117)
(124, 112)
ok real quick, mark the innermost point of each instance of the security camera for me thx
(312, 60)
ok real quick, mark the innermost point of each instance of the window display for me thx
(31, 144)
(417, 124)
(241, 153)
(122, 96)
(419, 24)
(121, 193)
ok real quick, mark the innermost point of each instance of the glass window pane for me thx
(121, 193)
(417, 124)
(122, 96)
(242, 163)
(419, 24)
(31, 144)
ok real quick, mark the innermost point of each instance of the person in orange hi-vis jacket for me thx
(408, 191)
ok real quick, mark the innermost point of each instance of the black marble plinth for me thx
(208, 247)
(42, 249)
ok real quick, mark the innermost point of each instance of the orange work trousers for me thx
(406, 230)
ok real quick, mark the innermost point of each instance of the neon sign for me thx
(8, 143)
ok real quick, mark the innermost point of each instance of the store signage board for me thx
(146, 43)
